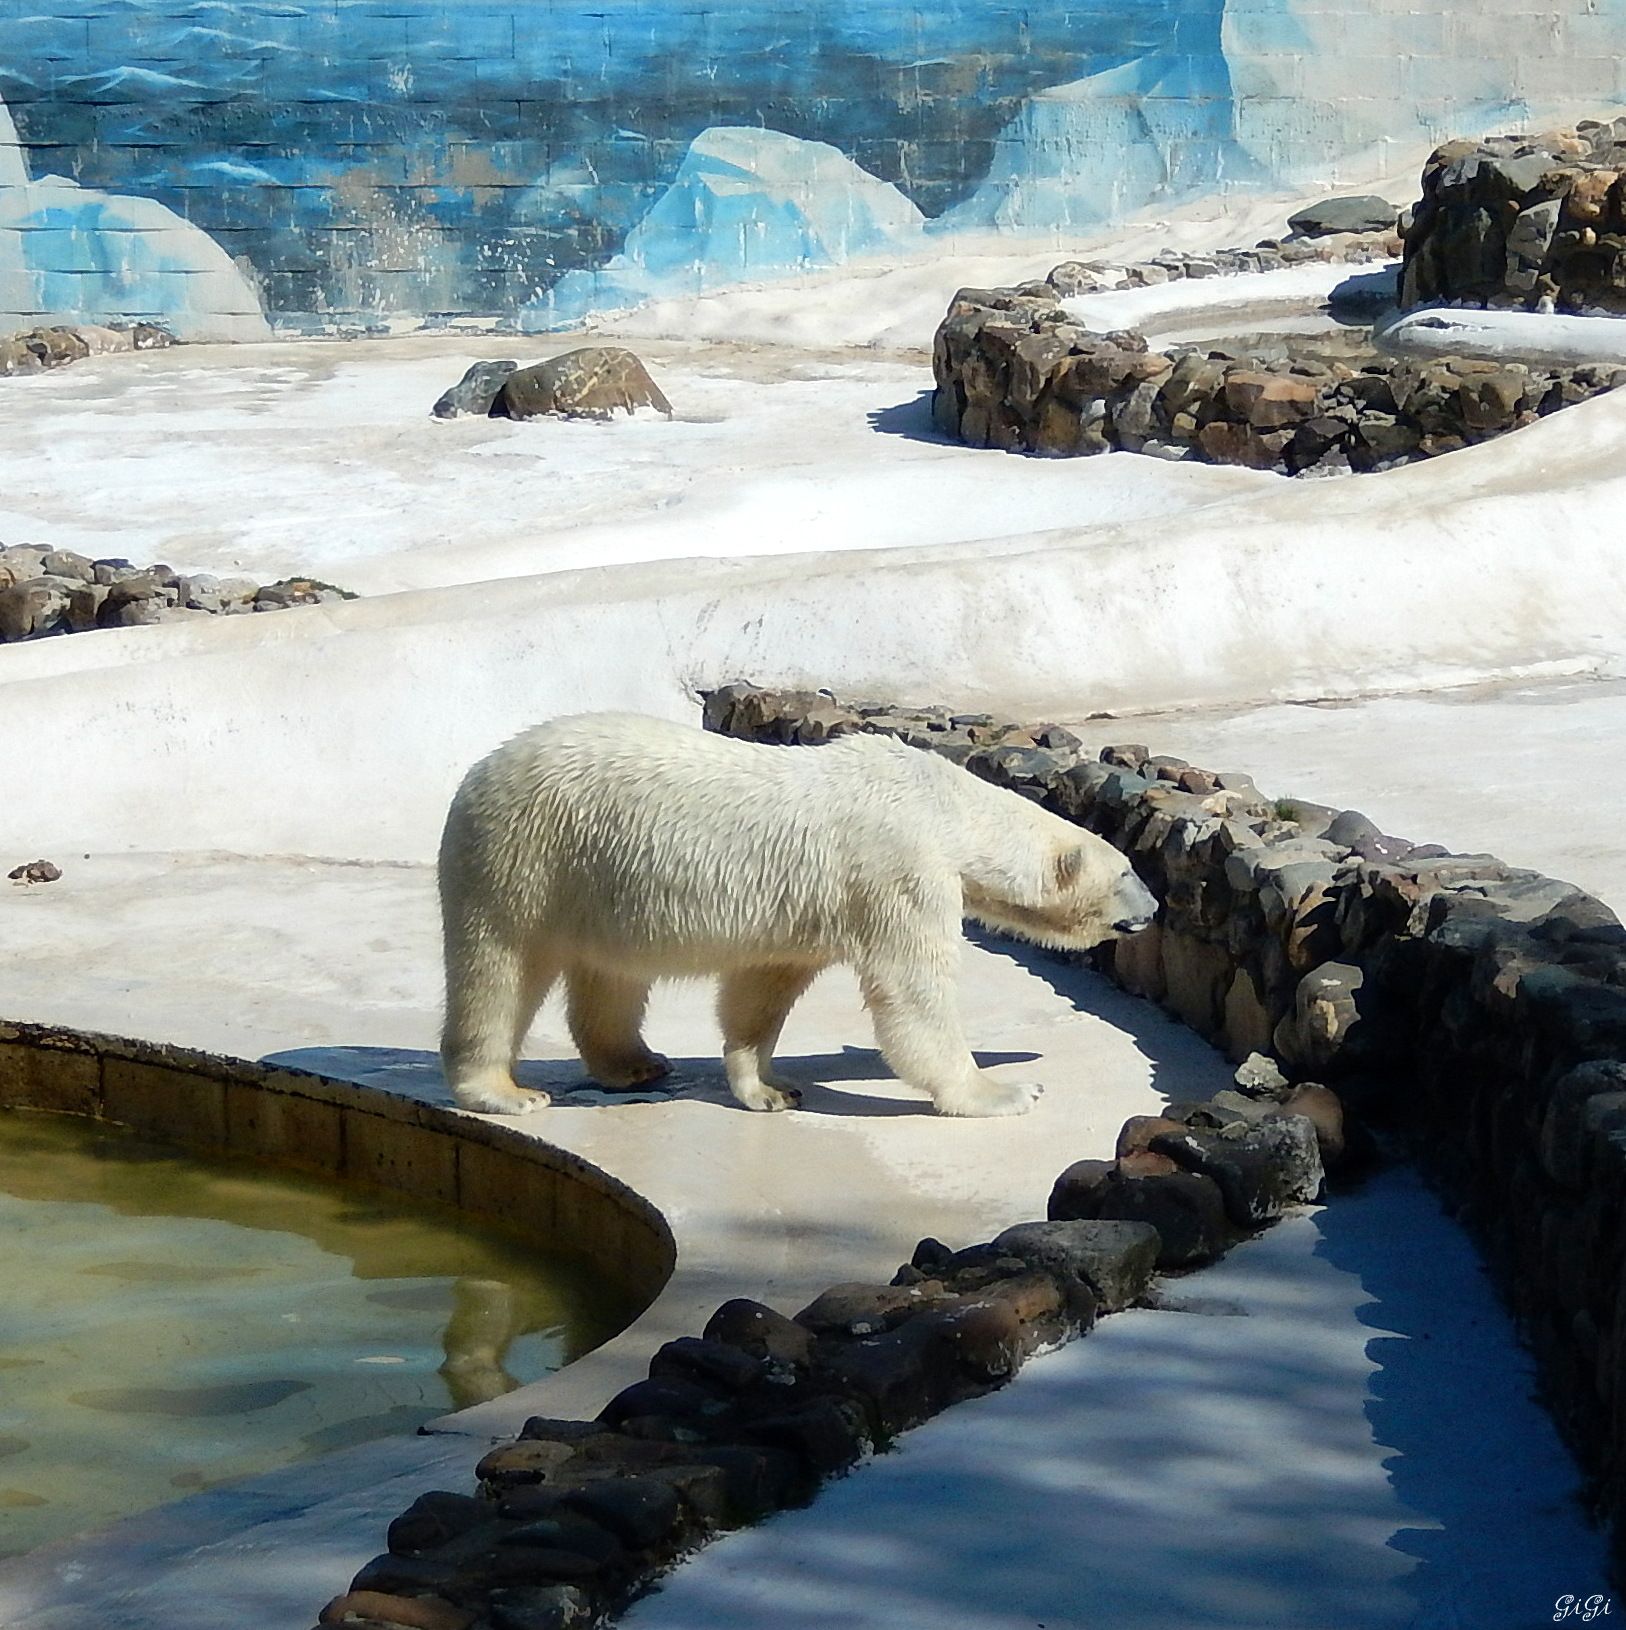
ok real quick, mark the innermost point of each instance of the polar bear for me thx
(612, 850)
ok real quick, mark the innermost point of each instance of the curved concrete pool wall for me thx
(338, 1129)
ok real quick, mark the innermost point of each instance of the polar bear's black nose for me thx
(1137, 906)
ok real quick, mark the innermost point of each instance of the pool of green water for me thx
(169, 1322)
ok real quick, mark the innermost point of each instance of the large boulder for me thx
(590, 383)
(1365, 213)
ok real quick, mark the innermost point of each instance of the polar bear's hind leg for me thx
(491, 997)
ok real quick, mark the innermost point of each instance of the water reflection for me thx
(168, 1322)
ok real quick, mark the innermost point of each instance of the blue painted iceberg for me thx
(74, 254)
(747, 204)
(1155, 126)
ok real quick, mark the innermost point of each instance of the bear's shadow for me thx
(416, 1074)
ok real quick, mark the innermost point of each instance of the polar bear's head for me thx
(1085, 892)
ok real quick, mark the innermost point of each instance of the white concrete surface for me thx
(1519, 336)
(1518, 771)
(321, 457)
(1500, 559)
(1297, 1440)
(1160, 304)
(336, 968)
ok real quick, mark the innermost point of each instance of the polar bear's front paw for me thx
(991, 1098)
(494, 1098)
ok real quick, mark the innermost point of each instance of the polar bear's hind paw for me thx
(496, 1099)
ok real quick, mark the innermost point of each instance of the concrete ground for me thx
(1302, 1427)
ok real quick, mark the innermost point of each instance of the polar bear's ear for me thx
(1070, 866)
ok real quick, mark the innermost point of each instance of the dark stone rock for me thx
(761, 1332)
(1365, 213)
(532, 1565)
(405, 1576)
(1114, 1259)
(545, 1428)
(1072, 1195)
(539, 1607)
(825, 1436)
(640, 1511)
(566, 1530)
(1587, 1105)
(1262, 1171)
(36, 871)
(475, 391)
(433, 1519)
(757, 1479)
(709, 1363)
(1187, 1210)
(672, 1398)
(593, 382)
(901, 1378)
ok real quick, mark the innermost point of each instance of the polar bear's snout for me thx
(1133, 905)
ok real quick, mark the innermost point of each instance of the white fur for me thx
(612, 850)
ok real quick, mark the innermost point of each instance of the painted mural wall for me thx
(321, 164)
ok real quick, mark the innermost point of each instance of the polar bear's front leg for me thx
(606, 1018)
(752, 1006)
(918, 1030)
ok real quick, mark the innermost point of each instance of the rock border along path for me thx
(1287, 929)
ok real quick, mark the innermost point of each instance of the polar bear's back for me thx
(627, 834)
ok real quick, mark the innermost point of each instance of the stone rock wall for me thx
(36, 349)
(1014, 370)
(56, 591)
(1536, 222)
(1475, 1009)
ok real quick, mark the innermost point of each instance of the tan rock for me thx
(1138, 1131)
(410, 1612)
(1269, 401)
(1196, 975)
(1588, 201)
(593, 382)
(1137, 963)
(1324, 1110)
(1247, 1026)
